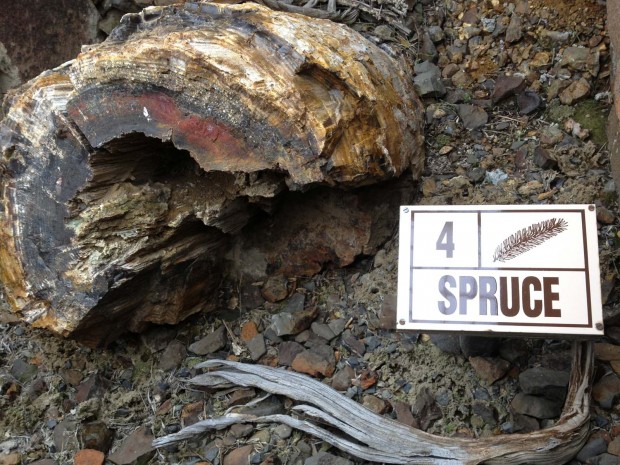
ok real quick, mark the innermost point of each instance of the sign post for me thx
(500, 269)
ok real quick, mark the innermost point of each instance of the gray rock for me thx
(295, 303)
(323, 458)
(606, 390)
(341, 381)
(581, 59)
(290, 323)
(172, 356)
(257, 347)
(287, 352)
(436, 33)
(447, 342)
(427, 81)
(322, 330)
(210, 343)
(337, 326)
(283, 431)
(428, 51)
(528, 102)
(514, 33)
(593, 447)
(476, 346)
(544, 382)
(604, 459)
(23, 371)
(505, 86)
(534, 406)
(472, 115)
(543, 159)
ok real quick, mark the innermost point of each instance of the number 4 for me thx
(446, 239)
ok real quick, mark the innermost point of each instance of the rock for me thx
(275, 289)
(506, 86)
(525, 423)
(353, 343)
(427, 51)
(295, 303)
(425, 409)
(96, 435)
(457, 51)
(324, 458)
(241, 396)
(211, 342)
(374, 404)
(23, 371)
(89, 457)
(286, 323)
(474, 346)
(283, 431)
(473, 116)
(534, 406)
(45, 46)
(605, 216)
(241, 430)
(173, 356)
(403, 413)
(604, 459)
(427, 81)
(581, 59)
(436, 33)
(614, 446)
(314, 362)
(543, 159)
(190, 413)
(528, 102)
(575, 91)
(447, 342)
(137, 446)
(71, 376)
(490, 369)
(249, 330)
(387, 313)
(486, 412)
(92, 387)
(287, 351)
(592, 448)
(462, 79)
(606, 391)
(13, 458)
(322, 330)
(337, 326)
(65, 437)
(450, 70)
(514, 33)
(606, 352)
(111, 19)
(239, 456)
(541, 381)
(43, 462)
(257, 347)
(341, 381)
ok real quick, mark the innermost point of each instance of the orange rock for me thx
(89, 457)
(248, 331)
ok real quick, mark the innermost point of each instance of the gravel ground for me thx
(516, 98)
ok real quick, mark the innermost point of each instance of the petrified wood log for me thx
(125, 173)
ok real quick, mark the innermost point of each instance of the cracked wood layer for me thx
(127, 173)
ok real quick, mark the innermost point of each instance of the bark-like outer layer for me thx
(95, 240)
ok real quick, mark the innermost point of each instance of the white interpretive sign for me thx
(502, 269)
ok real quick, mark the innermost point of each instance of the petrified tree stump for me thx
(125, 173)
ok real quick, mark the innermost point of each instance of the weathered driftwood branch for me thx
(125, 172)
(369, 436)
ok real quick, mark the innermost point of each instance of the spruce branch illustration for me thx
(528, 238)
